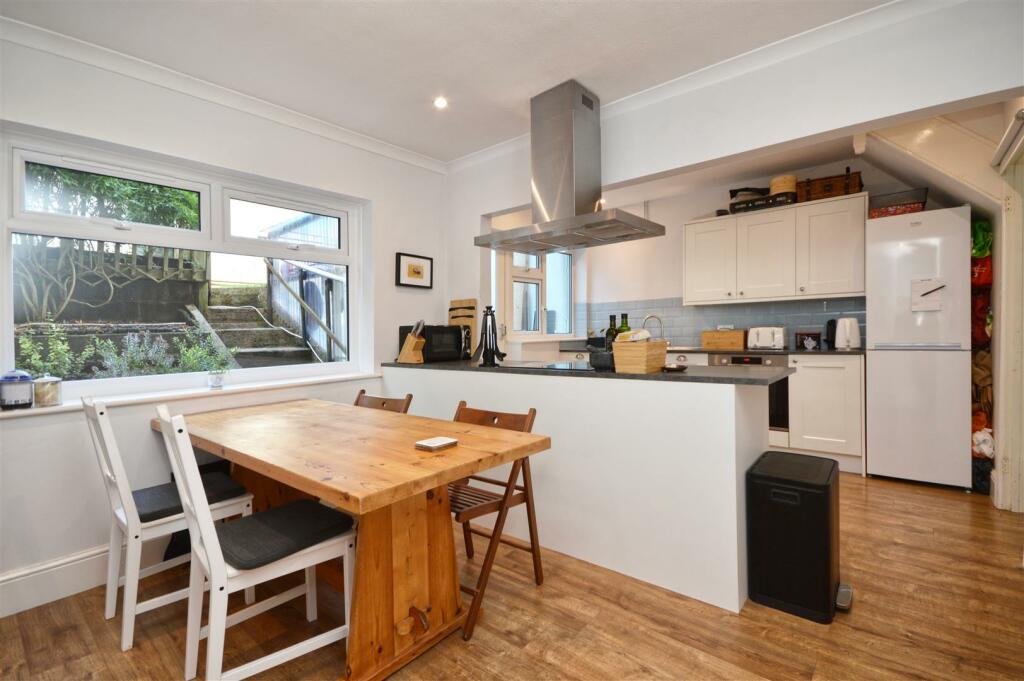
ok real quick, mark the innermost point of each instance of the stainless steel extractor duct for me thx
(565, 164)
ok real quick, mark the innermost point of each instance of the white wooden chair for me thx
(141, 515)
(242, 553)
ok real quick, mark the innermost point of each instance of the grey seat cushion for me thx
(262, 538)
(161, 501)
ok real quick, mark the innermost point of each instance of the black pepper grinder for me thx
(488, 348)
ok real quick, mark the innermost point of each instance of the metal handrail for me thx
(305, 306)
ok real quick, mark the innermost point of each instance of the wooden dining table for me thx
(363, 461)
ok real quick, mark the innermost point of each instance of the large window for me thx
(120, 269)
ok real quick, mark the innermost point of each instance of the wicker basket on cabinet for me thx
(642, 357)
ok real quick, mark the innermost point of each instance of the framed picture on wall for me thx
(416, 271)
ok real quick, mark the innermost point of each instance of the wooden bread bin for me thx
(642, 357)
(726, 339)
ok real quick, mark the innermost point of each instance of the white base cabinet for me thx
(826, 404)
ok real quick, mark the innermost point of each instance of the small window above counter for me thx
(807, 250)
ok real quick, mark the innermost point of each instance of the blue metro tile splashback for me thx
(683, 325)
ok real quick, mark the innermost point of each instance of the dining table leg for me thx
(406, 596)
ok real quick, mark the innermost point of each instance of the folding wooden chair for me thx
(469, 502)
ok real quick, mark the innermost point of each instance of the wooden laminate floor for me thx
(939, 594)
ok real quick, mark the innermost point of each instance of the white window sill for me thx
(187, 393)
(556, 338)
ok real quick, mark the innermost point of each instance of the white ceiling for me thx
(375, 67)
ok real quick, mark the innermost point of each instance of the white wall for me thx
(903, 58)
(52, 507)
(643, 477)
(856, 75)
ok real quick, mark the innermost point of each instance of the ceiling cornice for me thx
(781, 50)
(773, 53)
(489, 153)
(36, 38)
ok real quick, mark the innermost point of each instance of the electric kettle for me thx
(847, 334)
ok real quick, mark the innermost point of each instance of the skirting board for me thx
(51, 580)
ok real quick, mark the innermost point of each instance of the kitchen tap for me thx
(661, 324)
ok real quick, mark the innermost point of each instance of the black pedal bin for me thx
(793, 534)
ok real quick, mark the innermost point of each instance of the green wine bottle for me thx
(610, 333)
(624, 326)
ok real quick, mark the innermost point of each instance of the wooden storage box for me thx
(642, 357)
(729, 339)
(828, 187)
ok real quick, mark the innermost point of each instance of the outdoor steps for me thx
(257, 344)
(217, 314)
(217, 326)
(258, 338)
(273, 356)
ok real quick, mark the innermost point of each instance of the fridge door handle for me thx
(917, 346)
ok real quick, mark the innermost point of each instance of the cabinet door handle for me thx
(741, 293)
(801, 288)
(729, 293)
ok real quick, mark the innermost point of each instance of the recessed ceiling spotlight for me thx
(440, 103)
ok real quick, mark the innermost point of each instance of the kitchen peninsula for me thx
(648, 479)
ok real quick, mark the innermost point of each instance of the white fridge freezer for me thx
(918, 292)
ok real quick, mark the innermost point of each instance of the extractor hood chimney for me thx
(565, 162)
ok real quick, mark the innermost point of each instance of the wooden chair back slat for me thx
(496, 419)
(400, 406)
(115, 480)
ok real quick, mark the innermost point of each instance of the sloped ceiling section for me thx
(950, 158)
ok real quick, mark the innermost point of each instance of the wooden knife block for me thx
(412, 350)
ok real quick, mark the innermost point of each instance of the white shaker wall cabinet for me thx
(711, 260)
(765, 252)
(809, 250)
(830, 246)
(826, 407)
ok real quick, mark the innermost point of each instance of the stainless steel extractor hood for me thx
(565, 162)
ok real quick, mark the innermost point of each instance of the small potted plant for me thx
(219, 365)
(199, 351)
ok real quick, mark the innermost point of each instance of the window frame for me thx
(85, 227)
(508, 274)
(339, 256)
(215, 185)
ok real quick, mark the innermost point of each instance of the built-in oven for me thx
(778, 392)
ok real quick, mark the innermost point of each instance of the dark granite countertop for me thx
(736, 375)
